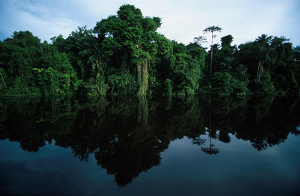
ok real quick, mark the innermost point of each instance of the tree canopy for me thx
(125, 55)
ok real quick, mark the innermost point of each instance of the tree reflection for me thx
(199, 141)
(210, 150)
(127, 136)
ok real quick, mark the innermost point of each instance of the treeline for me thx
(125, 55)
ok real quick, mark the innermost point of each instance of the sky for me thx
(182, 20)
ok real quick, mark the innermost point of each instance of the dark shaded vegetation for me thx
(127, 136)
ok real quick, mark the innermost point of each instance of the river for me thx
(163, 146)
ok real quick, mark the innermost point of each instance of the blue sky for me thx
(182, 20)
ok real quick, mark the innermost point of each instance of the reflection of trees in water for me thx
(277, 118)
(127, 136)
(27, 120)
(271, 126)
(211, 149)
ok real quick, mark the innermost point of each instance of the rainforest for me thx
(125, 55)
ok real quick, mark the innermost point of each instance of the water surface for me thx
(199, 146)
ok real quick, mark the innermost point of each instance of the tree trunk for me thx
(3, 80)
(139, 74)
(143, 76)
(211, 57)
(259, 70)
(211, 52)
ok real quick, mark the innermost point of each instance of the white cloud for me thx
(182, 20)
(37, 18)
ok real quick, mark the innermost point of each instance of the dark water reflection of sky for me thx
(238, 169)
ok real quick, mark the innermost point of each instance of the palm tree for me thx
(211, 149)
(263, 42)
(212, 29)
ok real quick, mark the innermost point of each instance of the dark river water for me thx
(131, 146)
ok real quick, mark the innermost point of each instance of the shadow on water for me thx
(127, 135)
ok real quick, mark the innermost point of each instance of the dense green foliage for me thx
(125, 55)
(29, 67)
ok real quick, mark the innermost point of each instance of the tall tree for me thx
(129, 39)
(212, 29)
(263, 42)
